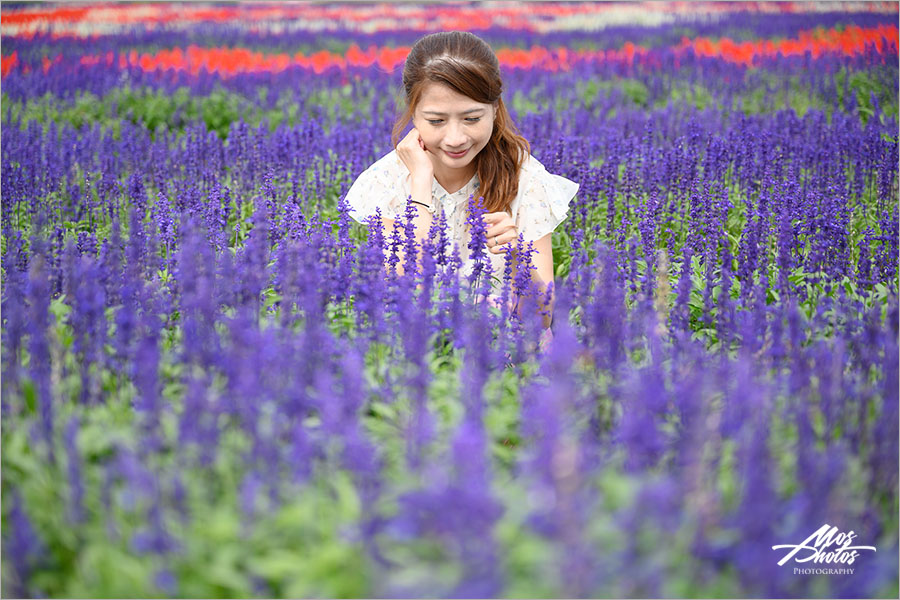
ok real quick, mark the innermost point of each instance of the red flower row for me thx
(231, 61)
(852, 40)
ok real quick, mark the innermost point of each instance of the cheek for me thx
(485, 133)
(427, 135)
(423, 127)
(431, 140)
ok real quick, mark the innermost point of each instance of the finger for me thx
(503, 224)
(411, 137)
(501, 243)
(493, 230)
(494, 217)
(499, 229)
(506, 238)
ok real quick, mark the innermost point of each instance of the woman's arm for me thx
(421, 192)
(411, 150)
(422, 223)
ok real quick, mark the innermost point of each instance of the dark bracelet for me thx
(422, 204)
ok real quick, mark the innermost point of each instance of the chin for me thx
(459, 162)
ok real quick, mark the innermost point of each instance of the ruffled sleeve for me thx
(383, 185)
(543, 200)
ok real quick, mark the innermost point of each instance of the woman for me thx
(463, 143)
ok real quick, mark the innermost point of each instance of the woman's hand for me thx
(412, 152)
(501, 233)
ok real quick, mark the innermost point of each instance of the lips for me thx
(456, 154)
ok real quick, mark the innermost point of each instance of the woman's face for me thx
(453, 127)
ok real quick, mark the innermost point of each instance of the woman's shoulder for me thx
(381, 186)
(531, 167)
(538, 185)
(542, 201)
(534, 171)
(389, 164)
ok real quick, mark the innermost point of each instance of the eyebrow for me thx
(440, 114)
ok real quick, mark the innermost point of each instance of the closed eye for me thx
(439, 121)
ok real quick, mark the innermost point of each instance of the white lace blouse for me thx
(540, 204)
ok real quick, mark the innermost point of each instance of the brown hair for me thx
(465, 63)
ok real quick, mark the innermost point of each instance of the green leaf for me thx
(383, 410)
(97, 440)
(59, 308)
(114, 573)
(222, 525)
(348, 503)
(797, 277)
(30, 394)
(224, 571)
(276, 565)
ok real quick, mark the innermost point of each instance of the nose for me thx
(455, 137)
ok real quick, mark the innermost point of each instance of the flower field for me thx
(214, 385)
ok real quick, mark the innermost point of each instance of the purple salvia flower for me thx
(87, 243)
(165, 223)
(38, 294)
(74, 470)
(725, 317)
(368, 286)
(24, 547)
(154, 537)
(410, 245)
(479, 278)
(15, 325)
(681, 313)
(137, 194)
(166, 581)
(214, 219)
(345, 248)
(252, 262)
(394, 247)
